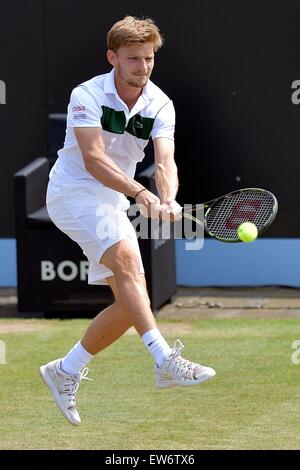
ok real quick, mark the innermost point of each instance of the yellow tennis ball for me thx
(247, 232)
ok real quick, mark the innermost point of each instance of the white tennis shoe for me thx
(178, 371)
(63, 387)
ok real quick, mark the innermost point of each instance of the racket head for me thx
(224, 215)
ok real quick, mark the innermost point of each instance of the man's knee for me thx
(128, 263)
(122, 259)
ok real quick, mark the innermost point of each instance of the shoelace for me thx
(181, 366)
(71, 385)
(177, 348)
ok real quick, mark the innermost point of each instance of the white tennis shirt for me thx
(96, 103)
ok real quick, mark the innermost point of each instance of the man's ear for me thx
(111, 57)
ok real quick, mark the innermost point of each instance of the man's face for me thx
(133, 64)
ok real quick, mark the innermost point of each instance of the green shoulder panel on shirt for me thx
(112, 120)
(140, 126)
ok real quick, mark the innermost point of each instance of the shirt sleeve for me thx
(83, 110)
(164, 123)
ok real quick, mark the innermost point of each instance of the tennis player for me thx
(110, 121)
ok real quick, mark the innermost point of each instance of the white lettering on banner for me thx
(296, 94)
(66, 270)
(2, 92)
(47, 271)
(64, 275)
(84, 270)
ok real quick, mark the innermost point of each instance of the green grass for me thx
(252, 403)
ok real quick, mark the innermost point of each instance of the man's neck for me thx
(129, 95)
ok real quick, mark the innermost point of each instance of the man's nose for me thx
(143, 65)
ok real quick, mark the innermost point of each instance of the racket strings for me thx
(227, 214)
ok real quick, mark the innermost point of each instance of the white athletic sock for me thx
(76, 359)
(156, 345)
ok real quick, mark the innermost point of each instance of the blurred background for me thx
(231, 69)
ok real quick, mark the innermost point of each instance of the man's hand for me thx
(149, 204)
(171, 210)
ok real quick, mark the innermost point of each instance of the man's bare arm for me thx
(102, 167)
(166, 176)
(99, 165)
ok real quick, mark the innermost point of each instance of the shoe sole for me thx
(188, 383)
(45, 376)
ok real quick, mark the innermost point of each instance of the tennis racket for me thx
(223, 215)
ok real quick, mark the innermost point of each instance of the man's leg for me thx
(63, 376)
(108, 326)
(171, 369)
(132, 293)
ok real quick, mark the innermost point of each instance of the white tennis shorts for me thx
(95, 220)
